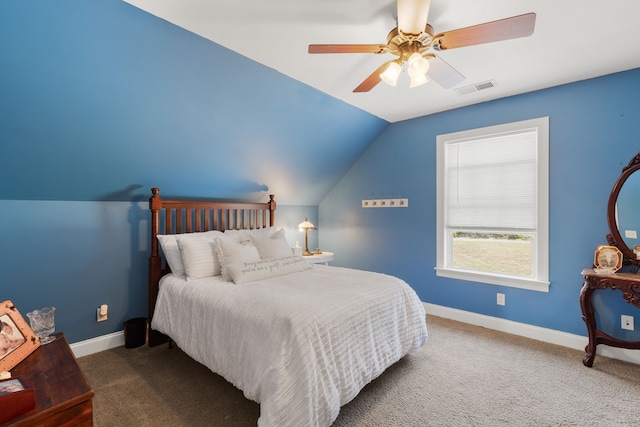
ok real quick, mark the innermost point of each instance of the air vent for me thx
(476, 87)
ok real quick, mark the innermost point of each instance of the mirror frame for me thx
(615, 238)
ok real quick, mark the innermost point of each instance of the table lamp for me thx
(306, 226)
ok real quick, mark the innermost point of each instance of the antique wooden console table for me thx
(629, 284)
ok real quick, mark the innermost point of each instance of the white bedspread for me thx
(301, 345)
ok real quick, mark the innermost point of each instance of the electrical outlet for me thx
(101, 313)
(626, 322)
(500, 300)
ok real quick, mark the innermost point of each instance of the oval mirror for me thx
(622, 212)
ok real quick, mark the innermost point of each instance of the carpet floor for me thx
(465, 376)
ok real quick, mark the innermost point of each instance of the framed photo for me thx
(17, 340)
(607, 259)
(17, 397)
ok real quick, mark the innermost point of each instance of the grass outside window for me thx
(511, 256)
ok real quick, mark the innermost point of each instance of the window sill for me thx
(494, 279)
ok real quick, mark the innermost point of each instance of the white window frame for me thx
(540, 279)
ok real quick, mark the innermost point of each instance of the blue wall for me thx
(593, 134)
(101, 101)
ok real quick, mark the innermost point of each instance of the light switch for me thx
(630, 234)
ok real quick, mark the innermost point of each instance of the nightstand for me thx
(322, 258)
(63, 396)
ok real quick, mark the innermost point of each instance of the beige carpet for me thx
(464, 376)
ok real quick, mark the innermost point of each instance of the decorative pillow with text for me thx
(258, 270)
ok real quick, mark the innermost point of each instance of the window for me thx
(492, 205)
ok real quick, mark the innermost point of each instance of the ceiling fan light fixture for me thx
(391, 73)
(418, 65)
(414, 36)
(412, 16)
(418, 80)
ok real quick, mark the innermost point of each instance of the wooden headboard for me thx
(189, 216)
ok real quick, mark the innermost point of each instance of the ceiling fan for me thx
(414, 36)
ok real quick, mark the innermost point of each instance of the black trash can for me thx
(135, 332)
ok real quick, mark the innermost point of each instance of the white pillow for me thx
(231, 252)
(275, 246)
(259, 270)
(198, 251)
(171, 252)
(243, 236)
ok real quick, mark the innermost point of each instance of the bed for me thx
(300, 339)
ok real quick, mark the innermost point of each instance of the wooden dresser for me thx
(63, 396)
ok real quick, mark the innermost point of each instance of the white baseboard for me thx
(577, 342)
(97, 344)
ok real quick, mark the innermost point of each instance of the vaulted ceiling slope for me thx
(101, 101)
(573, 40)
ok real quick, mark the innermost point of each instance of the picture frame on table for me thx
(607, 259)
(17, 340)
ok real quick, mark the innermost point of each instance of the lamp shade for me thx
(418, 65)
(306, 225)
(418, 80)
(391, 73)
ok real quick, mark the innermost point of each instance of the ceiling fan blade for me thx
(412, 15)
(371, 81)
(348, 48)
(503, 29)
(443, 73)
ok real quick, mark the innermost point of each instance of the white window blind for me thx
(492, 183)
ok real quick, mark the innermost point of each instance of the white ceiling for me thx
(573, 40)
